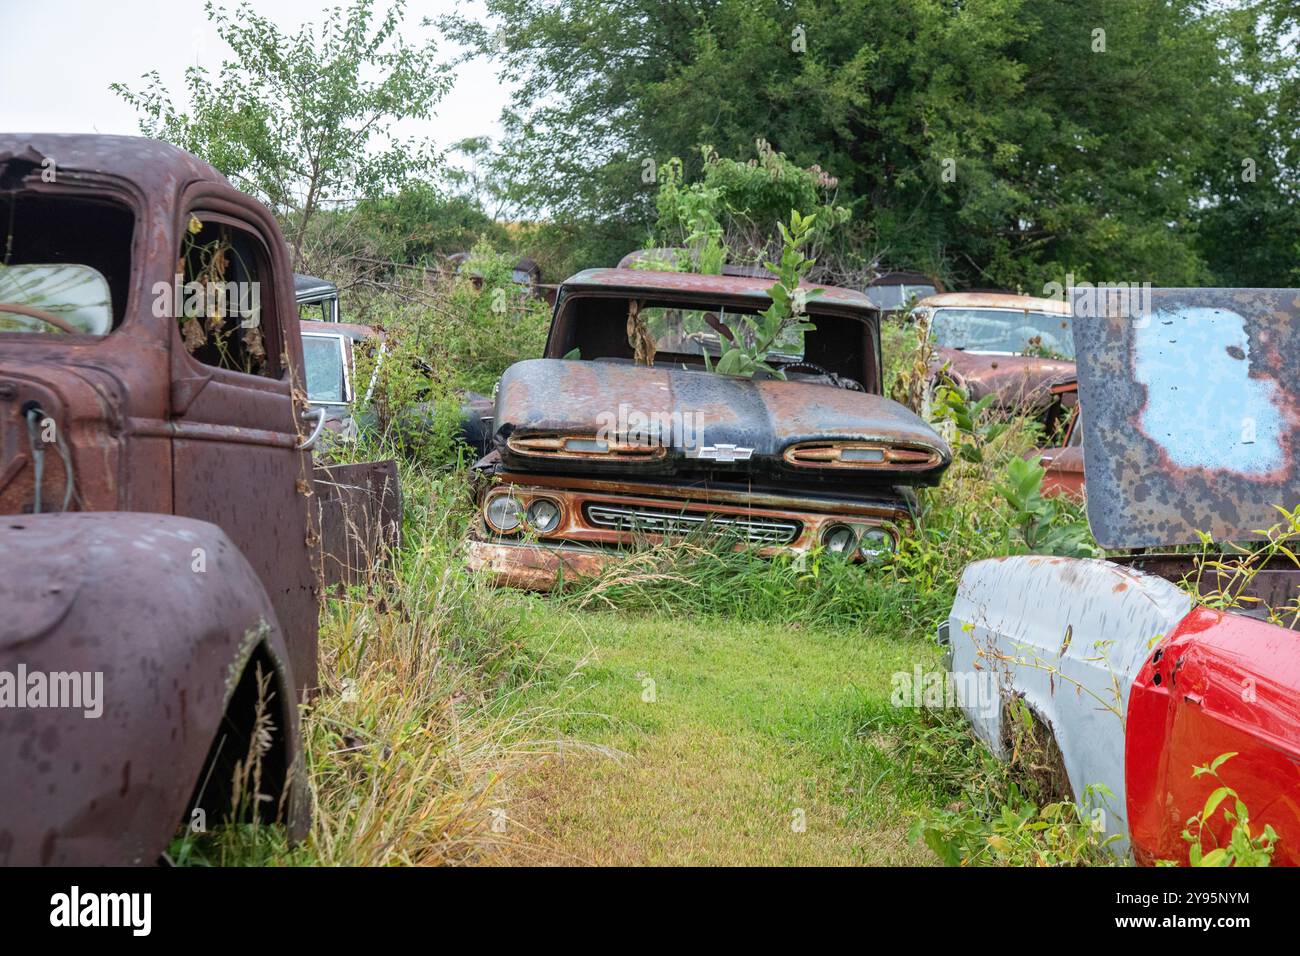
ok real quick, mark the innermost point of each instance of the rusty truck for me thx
(160, 530)
(620, 433)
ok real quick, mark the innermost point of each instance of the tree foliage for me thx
(304, 120)
(1009, 142)
(736, 209)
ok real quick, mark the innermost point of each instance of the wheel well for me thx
(246, 770)
(1035, 754)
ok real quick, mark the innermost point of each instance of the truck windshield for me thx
(692, 331)
(1003, 331)
(323, 357)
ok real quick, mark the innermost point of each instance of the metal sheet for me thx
(360, 511)
(554, 396)
(1191, 415)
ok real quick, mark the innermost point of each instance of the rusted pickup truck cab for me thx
(622, 434)
(157, 542)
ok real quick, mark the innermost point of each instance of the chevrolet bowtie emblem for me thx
(725, 453)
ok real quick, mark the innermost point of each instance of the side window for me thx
(325, 358)
(226, 315)
(314, 311)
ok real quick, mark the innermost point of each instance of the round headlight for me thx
(876, 543)
(543, 516)
(504, 513)
(839, 539)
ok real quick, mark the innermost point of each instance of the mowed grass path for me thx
(713, 741)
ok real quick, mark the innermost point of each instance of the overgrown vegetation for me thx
(734, 211)
(1009, 813)
(441, 699)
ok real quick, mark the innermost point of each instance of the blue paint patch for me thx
(1203, 407)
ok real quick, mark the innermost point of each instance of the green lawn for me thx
(714, 741)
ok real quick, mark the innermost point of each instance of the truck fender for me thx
(139, 627)
(1068, 636)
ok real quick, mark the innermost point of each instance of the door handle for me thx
(319, 415)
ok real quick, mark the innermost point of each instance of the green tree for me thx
(1010, 141)
(304, 120)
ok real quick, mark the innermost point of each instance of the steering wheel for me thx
(840, 381)
(812, 365)
(59, 323)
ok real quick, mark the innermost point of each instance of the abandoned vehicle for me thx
(620, 433)
(1012, 346)
(329, 353)
(897, 290)
(134, 552)
(1135, 680)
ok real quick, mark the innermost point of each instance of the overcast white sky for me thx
(57, 58)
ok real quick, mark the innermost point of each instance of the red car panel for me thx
(1219, 683)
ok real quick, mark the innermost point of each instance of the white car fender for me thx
(1069, 636)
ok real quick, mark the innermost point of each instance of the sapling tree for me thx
(748, 351)
(304, 120)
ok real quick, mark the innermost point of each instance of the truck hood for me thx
(1018, 381)
(696, 421)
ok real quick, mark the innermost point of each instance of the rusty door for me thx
(236, 459)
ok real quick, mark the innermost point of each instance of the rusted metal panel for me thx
(1190, 416)
(165, 611)
(359, 508)
(533, 567)
(1068, 636)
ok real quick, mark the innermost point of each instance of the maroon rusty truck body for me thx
(594, 450)
(154, 485)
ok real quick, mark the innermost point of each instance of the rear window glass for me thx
(895, 297)
(65, 264)
(696, 331)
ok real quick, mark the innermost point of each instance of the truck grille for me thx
(758, 530)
